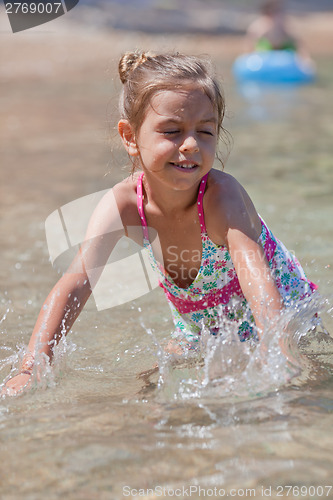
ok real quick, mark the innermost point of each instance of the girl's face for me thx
(177, 139)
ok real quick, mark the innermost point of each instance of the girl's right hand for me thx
(17, 384)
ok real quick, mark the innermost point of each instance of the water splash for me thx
(222, 366)
(5, 314)
(44, 374)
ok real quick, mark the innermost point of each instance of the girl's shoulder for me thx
(125, 190)
(227, 205)
(223, 195)
(222, 187)
(117, 209)
(125, 195)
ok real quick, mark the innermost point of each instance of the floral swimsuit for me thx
(215, 297)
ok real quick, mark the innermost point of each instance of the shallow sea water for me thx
(91, 429)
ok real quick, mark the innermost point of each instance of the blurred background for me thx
(192, 16)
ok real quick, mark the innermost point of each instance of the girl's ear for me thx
(127, 136)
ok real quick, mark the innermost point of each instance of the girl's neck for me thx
(169, 201)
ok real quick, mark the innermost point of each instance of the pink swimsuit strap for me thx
(200, 204)
(139, 200)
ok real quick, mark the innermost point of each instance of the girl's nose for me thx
(189, 145)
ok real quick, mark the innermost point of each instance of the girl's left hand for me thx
(17, 384)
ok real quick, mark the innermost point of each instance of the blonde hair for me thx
(144, 73)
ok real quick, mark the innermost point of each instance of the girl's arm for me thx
(234, 222)
(68, 297)
(260, 290)
(255, 278)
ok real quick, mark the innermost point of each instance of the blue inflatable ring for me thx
(275, 66)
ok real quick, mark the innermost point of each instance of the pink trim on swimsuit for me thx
(220, 296)
(212, 299)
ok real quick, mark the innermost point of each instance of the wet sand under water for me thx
(97, 428)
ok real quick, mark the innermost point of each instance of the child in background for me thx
(217, 259)
(270, 31)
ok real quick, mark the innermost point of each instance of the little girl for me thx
(218, 262)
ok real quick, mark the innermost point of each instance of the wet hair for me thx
(143, 74)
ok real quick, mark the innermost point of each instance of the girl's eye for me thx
(207, 132)
(170, 132)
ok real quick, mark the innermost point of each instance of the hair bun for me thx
(129, 62)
